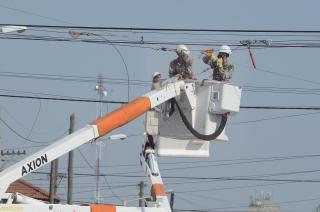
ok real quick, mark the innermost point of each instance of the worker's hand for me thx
(207, 52)
(213, 58)
(178, 76)
(220, 63)
(178, 51)
(194, 77)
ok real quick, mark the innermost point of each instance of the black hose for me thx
(209, 137)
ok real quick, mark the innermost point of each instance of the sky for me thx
(277, 144)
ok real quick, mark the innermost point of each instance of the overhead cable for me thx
(124, 102)
(163, 29)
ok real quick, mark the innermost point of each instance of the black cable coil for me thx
(186, 122)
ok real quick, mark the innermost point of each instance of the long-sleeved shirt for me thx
(182, 67)
(222, 71)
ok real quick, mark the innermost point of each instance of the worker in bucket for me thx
(151, 130)
(156, 81)
(221, 65)
(156, 85)
(152, 113)
(181, 67)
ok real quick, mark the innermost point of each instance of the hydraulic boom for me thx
(95, 129)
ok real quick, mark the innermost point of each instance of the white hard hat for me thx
(155, 74)
(225, 49)
(183, 48)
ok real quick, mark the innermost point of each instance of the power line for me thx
(225, 161)
(151, 42)
(234, 187)
(35, 121)
(73, 78)
(120, 81)
(110, 188)
(88, 79)
(62, 99)
(238, 162)
(272, 118)
(167, 29)
(212, 178)
(139, 40)
(124, 102)
(21, 136)
(2, 108)
(123, 61)
(288, 76)
(282, 75)
(139, 43)
(34, 14)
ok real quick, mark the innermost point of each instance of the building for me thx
(263, 204)
(30, 190)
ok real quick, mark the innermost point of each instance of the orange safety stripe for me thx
(103, 208)
(157, 190)
(122, 115)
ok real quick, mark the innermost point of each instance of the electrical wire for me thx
(122, 59)
(21, 136)
(282, 75)
(225, 162)
(35, 121)
(105, 179)
(212, 198)
(234, 187)
(242, 178)
(272, 118)
(17, 121)
(34, 14)
(111, 189)
(85, 159)
(62, 99)
(237, 162)
(118, 81)
(123, 102)
(158, 43)
(131, 29)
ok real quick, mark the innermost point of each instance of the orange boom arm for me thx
(123, 115)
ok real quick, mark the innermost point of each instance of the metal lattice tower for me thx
(101, 93)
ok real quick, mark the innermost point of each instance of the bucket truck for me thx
(182, 118)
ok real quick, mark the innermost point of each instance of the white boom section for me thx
(46, 155)
(149, 164)
(168, 91)
(98, 128)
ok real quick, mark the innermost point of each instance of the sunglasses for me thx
(224, 55)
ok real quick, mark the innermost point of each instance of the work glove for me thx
(178, 50)
(220, 63)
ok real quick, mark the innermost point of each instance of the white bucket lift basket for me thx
(203, 104)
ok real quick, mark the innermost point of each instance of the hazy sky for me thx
(279, 133)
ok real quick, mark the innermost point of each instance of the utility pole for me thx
(5, 153)
(53, 180)
(141, 194)
(101, 93)
(171, 199)
(8, 153)
(70, 162)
